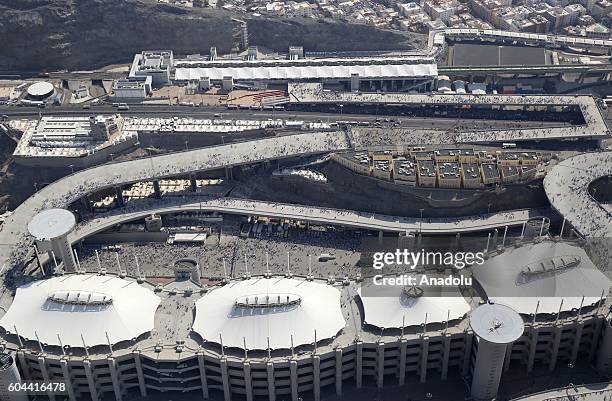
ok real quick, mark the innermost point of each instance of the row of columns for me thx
(577, 325)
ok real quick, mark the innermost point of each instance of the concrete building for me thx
(325, 350)
(426, 173)
(127, 90)
(392, 72)
(154, 64)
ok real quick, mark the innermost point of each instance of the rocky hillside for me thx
(70, 34)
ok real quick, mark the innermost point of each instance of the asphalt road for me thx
(224, 113)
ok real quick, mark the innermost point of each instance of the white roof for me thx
(389, 306)
(83, 304)
(301, 308)
(40, 89)
(504, 282)
(497, 323)
(306, 72)
(51, 223)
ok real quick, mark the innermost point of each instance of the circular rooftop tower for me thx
(53, 226)
(495, 326)
(40, 90)
(496, 323)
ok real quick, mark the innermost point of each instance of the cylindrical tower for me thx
(53, 226)
(187, 268)
(10, 374)
(495, 326)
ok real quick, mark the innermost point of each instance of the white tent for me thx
(83, 304)
(274, 308)
(504, 281)
(392, 306)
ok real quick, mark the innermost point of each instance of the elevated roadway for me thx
(14, 240)
(437, 39)
(594, 128)
(526, 69)
(319, 215)
(567, 189)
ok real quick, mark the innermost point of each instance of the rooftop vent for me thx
(551, 265)
(80, 298)
(267, 301)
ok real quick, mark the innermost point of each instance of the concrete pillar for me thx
(140, 373)
(380, 364)
(227, 84)
(63, 249)
(294, 380)
(555, 348)
(354, 82)
(85, 203)
(577, 338)
(445, 356)
(112, 366)
(424, 355)
(533, 341)
(227, 395)
(358, 364)
(595, 338)
(271, 385)
(119, 194)
(157, 189)
(469, 337)
(316, 374)
(604, 354)
(228, 174)
(67, 380)
(248, 383)
(403, 344)
(42, 363)
(338, 353)
(203, 379)
(25, 367)
(380, 237)
(193, 184)
(90, 380)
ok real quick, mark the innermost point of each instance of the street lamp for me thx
(421, 222)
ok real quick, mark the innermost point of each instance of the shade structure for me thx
(306, 72)
(557, 275)
(397, 306)
(81, 304)
(256, 310)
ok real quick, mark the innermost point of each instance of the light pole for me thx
(421, 222)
